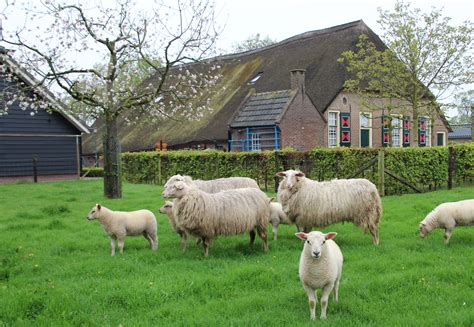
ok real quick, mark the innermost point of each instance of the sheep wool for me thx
(277, 217)
(320, 268)
(119, 224)
(310, 203)
(230, 212)
(215, 185)
(448, 215)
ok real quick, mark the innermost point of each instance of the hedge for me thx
(92, 172)
(427, 168)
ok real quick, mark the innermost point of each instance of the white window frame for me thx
(444, 138)
(428, 132)
(369, 127)
(337, 113)
(255, 142)
(399, 129)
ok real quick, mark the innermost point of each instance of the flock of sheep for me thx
(236, 205)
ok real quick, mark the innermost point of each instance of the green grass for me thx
(56, 268)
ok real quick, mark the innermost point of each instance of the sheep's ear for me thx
(281, 174)
(330, 235)
(301, 236)
(98, 206)
(299, 174)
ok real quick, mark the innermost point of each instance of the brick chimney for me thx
(297, 79)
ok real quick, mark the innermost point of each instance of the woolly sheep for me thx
(277, 217)
(447, 216)
(320, 267)
(119, 224)
(230, 212)
(215, 185)
(167, 209)
(310, 203)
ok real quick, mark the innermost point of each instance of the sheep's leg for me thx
(447, 235)
(262, 233)
(324, 300)
(205, 244)
(375, 233)
(312, 300)
(112, 245)
(149, 239)
(275, 231)
(252, 238)
(154, 239)
(307, 229)
(184, 240)
(336, 289)
(121, 242)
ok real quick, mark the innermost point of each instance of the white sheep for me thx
(277, 217)
(320, 267)
(310, 203)
(214, 185)
(167, 209)
(231, 212)
(448, 215)
(119, 224)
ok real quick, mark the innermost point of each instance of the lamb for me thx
(215, 185)
(231, 212)
(119, 224)
(310, 203)
(277, 217)
(167, 209)
(320, 267)
(448, 215)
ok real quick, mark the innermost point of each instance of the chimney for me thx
(297, 79)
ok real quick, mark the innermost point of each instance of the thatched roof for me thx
(316, 52)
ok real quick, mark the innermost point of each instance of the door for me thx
(364, 138)
(440, 139)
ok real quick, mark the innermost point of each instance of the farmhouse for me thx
(289, 94)
(49, 136)
(460, 133)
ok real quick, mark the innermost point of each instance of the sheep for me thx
(277, 217)
(310, 203)
(215, 185)
(167, 209)
(320, 267)
(231, 212)
(448, 215)
(119, 224)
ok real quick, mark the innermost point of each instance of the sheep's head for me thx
(290, 178)
(424, 229)
(167, 207)
(315, 242)
(175, 190)
(95, 212)
(179, 178)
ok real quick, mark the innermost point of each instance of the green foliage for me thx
(92, 172)
(425, 167)
(64, 276)
(252, 42)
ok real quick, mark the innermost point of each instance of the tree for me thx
(425, 59)
(118, 36)
(252, 42)
(464, 103)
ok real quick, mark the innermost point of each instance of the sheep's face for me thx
(174, 179)
(94, 213)
(167, 207)
(424, 229)
(315, 242)
(176, 190)
(291, 178)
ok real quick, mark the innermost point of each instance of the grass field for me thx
(56, 268)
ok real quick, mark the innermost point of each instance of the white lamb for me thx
(119, 224)
(320, 267)
(310, 203)
(447, 216)
(167, 209)
(215, 185)
(231, 212)
(277, 217)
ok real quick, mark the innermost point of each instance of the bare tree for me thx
(115, 36)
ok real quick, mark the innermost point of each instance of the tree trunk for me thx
(414, 129)
(112, 168)
(472, 122)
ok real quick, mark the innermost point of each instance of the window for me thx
(365, 136)
(255, 144)
(255, 79)
(428, 132)
(396, 132)
(364, 120)
(332, 128)
(440, 138)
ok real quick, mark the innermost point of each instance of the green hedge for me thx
(427, 168)
(92, 172)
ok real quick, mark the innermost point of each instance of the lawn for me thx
(56, 268)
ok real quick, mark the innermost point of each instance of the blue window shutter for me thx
(406, 131)
(345, 123)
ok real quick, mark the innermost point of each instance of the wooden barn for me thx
(48, 141)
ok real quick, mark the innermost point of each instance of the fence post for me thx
(451, 166)
(277, 180)
(381, 169)
(35, 169)
(159, 169)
